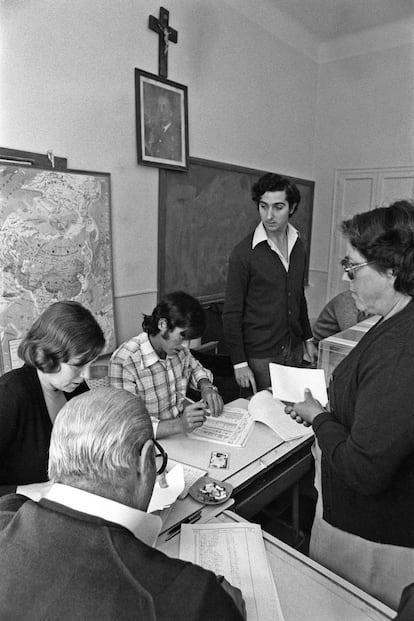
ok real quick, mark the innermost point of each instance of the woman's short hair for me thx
(64, 331)
(385, 236)
(97, 437)
(180, 310)
(271, 182)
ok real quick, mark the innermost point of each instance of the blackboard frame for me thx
(175, 224)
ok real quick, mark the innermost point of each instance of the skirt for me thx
(381, 570)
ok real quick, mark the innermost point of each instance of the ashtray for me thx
(209, 491)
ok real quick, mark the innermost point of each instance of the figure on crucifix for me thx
(166, 34)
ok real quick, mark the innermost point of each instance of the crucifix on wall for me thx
(165, 34)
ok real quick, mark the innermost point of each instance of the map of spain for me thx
(54, 245)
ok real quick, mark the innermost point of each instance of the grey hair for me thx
(97, 438)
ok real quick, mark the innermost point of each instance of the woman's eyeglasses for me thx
(161, 457)
(350, 267)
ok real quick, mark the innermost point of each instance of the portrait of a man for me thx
(161, 122)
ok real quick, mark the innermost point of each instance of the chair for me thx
(98, 376)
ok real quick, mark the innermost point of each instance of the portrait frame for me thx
(161, 121)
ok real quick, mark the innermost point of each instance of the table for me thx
(259, 472)
(308, 591)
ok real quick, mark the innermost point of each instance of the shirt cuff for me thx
(240, 365)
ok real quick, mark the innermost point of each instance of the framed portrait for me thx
(161, 121)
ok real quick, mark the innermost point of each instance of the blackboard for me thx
(203, 213)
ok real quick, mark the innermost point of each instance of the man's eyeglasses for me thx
(350, 267)
(161, 457)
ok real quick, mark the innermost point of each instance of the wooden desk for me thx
(259, 472)
(307, 591)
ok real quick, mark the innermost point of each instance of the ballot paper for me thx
(191, 475)
(237, 552)
(289, 383)
(163, 497)
(232, 427)
(264, 408)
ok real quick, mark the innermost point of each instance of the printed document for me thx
(237, 552)
(232, 427)
(289, 383)
(265, 409)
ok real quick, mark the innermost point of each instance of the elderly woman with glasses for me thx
(364, 450)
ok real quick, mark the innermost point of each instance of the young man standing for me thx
(158, 366)
(265, 313)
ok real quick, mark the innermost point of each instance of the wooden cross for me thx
(166, 34)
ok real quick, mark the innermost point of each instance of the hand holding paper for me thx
(271, 412)
(289, 383)
(305, 411)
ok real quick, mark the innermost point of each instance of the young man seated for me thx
(158, 366)
(85, 550)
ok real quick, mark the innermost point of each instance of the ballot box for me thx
(333, 349)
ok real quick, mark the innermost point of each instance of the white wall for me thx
(67, 84)
(365, 119)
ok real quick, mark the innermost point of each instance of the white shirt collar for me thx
(260, 235)
(144, 526)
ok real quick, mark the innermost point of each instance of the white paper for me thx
(191, 475)
(289, 383)
(237, 552)
(163, 497)
(233, 427)
(265, 409)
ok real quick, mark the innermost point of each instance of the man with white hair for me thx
(84, 551)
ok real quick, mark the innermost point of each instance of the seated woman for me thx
(58, 351)
(364, 456)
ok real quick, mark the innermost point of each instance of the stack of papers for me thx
(271, 412)
(232, 427)
(237, 552)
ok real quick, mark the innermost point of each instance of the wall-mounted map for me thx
(55, 244)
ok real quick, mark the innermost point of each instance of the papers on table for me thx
(237, 552)
(289, 383)
(233, 427)
(265, 409)
(163, 497)
(191, 475)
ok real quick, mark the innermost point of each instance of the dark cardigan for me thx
(25, 428)
(265, 306)
(367, 442)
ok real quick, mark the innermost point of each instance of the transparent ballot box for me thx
(334, 348)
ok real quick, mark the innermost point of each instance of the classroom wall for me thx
(67, 84)
(262, 94)
(365, 117)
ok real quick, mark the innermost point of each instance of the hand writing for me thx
(193, 416)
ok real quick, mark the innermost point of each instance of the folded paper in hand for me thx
(289, 383)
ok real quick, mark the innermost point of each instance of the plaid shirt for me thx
(162, 384)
